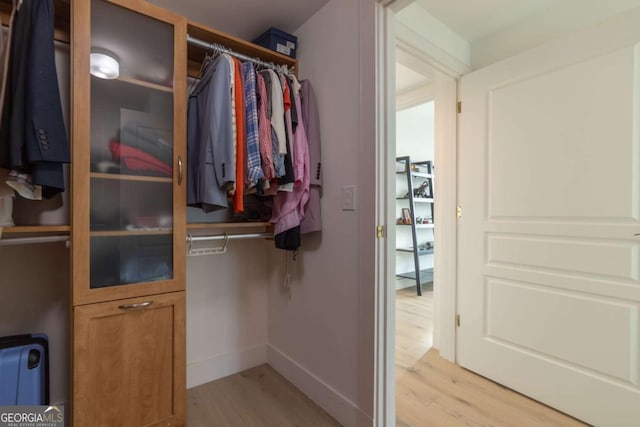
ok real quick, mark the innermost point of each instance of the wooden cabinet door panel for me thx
(129, 362)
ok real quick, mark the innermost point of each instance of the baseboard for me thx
(339, 407)
(222, 365)
(405, 284)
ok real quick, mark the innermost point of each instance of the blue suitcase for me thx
(24, 370)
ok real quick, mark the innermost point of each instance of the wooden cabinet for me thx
(129, 362)
(128, 222)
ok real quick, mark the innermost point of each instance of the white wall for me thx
(564, 17)
(417, 19)
(422, 35)
(227, 311)
(415, 135)
(315, 333)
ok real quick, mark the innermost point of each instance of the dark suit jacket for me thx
(33, 138)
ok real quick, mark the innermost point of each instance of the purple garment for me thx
(288, 208)
(312, 217)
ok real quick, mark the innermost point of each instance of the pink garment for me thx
(288, 208)
(264, 131)
(137, 160)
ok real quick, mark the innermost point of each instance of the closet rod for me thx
(31, 240)
(219, 48)
(191, 238)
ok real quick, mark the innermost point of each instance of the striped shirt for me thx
(254, 169)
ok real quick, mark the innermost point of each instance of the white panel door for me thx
(549, 264)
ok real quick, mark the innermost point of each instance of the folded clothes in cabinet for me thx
(137, 160)
(148, 140)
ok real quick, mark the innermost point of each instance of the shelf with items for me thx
(196, 54)
(416, 199)
(420, 251)
(417, 194)
(418, 225)
(425, 275)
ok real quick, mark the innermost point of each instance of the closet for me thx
(128, 226)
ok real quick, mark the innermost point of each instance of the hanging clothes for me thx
(33, 138)
(5, 43)
(254, 166)
(312, 217)
(285, 182)
(264, 131)
(210, 137)
(275, 110)
(238, 90)
(288, 208)
(7, 193)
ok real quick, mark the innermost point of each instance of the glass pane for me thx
(120, 260)
(131, 204)
(118, 205)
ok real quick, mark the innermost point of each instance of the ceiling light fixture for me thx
(104, 66)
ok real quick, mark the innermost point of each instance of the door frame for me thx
(445, 261)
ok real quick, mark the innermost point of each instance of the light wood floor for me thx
(258, 397)
(433, 392)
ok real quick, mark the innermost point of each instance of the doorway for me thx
(422, 160)
(443, 93)
(578, 290)
(414, 207)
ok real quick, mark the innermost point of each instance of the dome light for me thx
(104, 66)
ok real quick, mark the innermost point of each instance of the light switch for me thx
(349, 198)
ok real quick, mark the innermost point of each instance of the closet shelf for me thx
(416, 199)
(244, 226)
(420, 251)
(418, 225)
(422, 200)
(416, 174)
(143, 83)
(124, 233)
(426, 276)
(196, 54)
(141, 178)
(36, 229)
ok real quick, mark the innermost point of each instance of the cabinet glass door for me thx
(131, 150)
(131, 207)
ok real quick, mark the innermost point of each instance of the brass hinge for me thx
(458, 320)
(459, 212)
(459, 107)
(380, 231)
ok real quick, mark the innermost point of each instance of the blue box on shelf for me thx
(279, 41)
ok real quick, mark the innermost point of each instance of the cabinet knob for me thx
(136, 305)
(180, 170)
